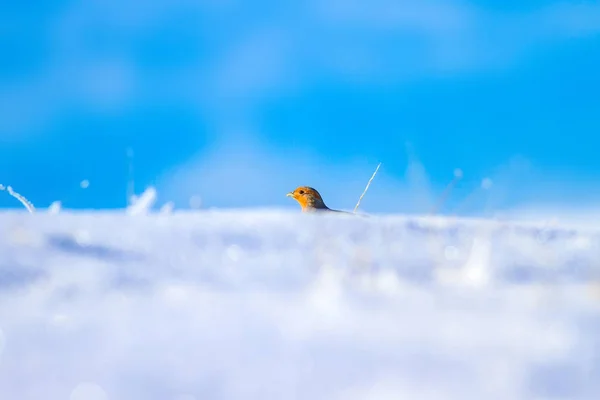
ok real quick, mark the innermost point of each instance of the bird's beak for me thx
(290, 194)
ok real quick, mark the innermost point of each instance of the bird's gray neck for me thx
(317, 204)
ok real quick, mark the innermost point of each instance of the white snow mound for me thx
(276, 305)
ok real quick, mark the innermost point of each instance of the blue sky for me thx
(240, 102)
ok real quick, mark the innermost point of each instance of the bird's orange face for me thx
(308, 198)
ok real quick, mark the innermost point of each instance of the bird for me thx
(310, 200)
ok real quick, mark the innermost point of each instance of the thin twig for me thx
(457, 177)
(26, 203)
(130, 180)
(366, 188)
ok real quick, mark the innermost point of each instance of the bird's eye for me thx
(301, 192)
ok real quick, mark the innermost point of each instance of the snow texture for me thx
(277, 305)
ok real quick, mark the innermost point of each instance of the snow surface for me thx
(280, 305)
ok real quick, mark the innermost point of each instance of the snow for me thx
(269, 304)
(142, 204)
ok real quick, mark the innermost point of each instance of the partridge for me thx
(310, 200)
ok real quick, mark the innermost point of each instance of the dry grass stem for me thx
(367, 188)
(26, 203)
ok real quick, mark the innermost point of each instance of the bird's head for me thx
(308, 198)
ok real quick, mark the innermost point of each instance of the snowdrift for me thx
(278, 305)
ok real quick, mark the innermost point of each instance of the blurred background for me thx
(238, 102)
